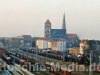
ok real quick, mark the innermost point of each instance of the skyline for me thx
(18, 17)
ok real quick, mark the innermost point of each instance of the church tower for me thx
(64, 22)
(47, 31)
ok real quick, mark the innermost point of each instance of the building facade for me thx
(74, 51)
(62, 45)
(55, 33)
(83, 46)
(42, 43)
(47, 29)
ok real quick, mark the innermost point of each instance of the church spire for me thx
(64, 22)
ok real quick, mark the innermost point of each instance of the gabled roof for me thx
(48, 22)
(58, 33)
(43, 38)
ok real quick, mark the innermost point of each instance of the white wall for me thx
(61, 45)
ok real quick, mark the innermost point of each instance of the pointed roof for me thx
(64, 22)
(48, 22)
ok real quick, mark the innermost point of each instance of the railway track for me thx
(43, 60)
(14, 70)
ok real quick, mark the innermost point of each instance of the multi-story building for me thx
(55, 45)
(42, 43)
(62, 45)
(83, 46)
(72, 40)
(27, 40)
(74, 51)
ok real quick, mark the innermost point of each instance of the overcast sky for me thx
(19, 17)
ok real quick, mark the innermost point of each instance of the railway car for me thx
(7, 59)
(18, 60)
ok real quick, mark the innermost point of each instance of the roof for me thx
(83, 41)
(71, 35)
(48, 22)
(43, 38)
(58, 33)
(62, 40)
